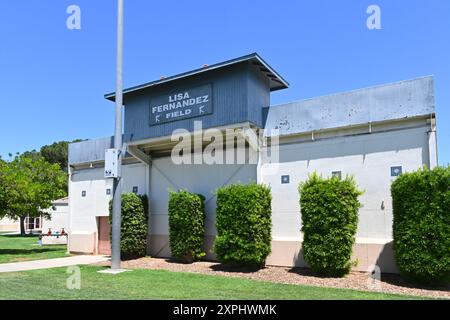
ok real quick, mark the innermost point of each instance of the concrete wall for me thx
(202, 179)
(85, 210)
(368, 158)
(59, 220)
(9, 225)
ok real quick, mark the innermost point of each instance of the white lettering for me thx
(374, 20)
(73, 22)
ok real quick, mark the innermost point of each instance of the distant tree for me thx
(28, 185)
(57, 152)
(33, 154)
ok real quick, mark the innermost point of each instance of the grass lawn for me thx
(159, 284)
(15, 248)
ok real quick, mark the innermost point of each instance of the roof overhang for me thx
(276, 81)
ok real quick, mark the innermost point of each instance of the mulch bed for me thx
(390, 283)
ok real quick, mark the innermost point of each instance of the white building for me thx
(59, 219)
(58, 223)
(8, 225)
(374, 134)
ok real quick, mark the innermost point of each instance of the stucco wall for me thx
(367, 157)
(201, 179)
(59, 220)
(9, 225)
(85, 210)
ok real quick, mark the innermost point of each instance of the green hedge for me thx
(329, 212)
(243, 224)
(187, 225)
(421, 205)
(134, 229)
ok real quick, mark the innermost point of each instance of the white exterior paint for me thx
(200, 179)
(85, 209)
(367, 157)
(59, 220)
(9, 225)
(432, 147)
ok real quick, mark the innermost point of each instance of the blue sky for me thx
(52, 80)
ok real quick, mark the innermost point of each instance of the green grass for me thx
(16, 248)
(159, 284)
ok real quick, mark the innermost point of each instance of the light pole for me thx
(117, 194)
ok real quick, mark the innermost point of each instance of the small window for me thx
(135, 190)
(37, 223)
(396, 171)
(108, 192)
(83, 193)
(337, 174)
(285, 179)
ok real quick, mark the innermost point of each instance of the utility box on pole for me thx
(112, 167)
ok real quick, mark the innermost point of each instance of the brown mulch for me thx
(390, 283)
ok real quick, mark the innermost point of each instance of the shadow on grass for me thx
(27, 251)
(19, 236)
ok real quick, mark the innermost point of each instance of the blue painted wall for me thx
(239, 94)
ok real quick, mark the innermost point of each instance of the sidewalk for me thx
(51, 263)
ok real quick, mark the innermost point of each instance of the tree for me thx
(33, 154)
(28, 185)
(56, 153)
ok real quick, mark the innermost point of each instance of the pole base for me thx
(113, 271)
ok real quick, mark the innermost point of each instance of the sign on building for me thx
(183, 104)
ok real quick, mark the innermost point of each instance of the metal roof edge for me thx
(431, 77)
(111, 96)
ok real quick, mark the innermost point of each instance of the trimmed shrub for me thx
(134, 226)
(329, 212)
(421, 205)
(187, 225)
(244, 224)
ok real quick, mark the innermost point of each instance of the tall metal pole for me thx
(117, 196)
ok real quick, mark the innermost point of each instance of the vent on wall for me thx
(337, 174)
(396, 171)
(285, 179)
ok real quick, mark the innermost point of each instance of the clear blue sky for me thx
(52, 80)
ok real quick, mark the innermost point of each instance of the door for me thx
(104, 240)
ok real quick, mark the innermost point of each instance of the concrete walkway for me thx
(51, 263)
